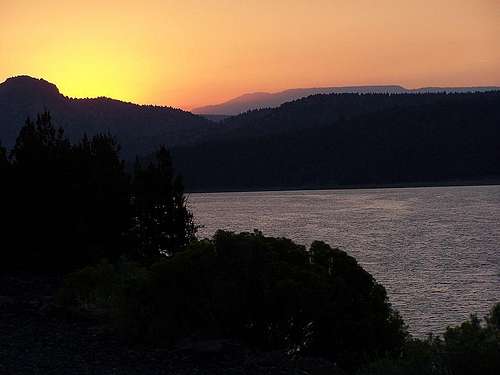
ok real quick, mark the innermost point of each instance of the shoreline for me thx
(406, 185)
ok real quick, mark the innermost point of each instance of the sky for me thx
(194, 52)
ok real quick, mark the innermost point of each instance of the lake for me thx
(435, 249)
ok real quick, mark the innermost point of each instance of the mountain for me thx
(345, 139)
(138, 128)
(310, 113)
(259, 100)
(317, 141)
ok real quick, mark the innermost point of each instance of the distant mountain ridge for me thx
(228, 152)
(138, 128)
(260, 100)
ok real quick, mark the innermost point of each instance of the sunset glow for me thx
(195, 52)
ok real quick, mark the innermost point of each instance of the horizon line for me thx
(192, 108)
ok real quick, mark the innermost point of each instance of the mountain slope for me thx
(414, 138)
(139, 129)
(313, 112)
(259, 100)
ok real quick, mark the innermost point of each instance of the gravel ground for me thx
(38, 338)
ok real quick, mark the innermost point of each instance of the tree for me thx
(40, 213)
(103, 190)
(69, 204)
(5, 200)
(163, 224)
(4, 161)
(73, 204)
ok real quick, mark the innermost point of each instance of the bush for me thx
(269, 292)
(474, 346)
(470, 348)
(103, 287)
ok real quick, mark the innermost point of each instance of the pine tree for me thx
(163, 224)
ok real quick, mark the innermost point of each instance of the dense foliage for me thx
(68, 205)
(266, 291)
(470, 348)
(332, 140)
(161, 220)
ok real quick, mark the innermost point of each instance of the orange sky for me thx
(194, 52)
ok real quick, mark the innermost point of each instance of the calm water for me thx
(436, 250)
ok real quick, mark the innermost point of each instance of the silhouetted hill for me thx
(259, 100)
(139, 129)
(348, 139)
(23, 87)
(312, 112)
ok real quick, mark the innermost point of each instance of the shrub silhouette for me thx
(472, 347)
(269, 292)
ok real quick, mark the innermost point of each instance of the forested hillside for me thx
(331, 140)
(139, 129)
(322, 140)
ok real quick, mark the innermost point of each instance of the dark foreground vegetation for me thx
(103, 274)
(71, 204)
(273, 295)
(472, 347)
(269, 293)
